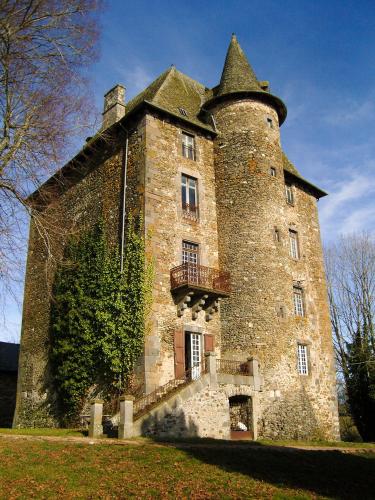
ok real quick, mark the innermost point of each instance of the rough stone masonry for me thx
(222, 204)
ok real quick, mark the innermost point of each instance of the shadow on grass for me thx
(330, 473)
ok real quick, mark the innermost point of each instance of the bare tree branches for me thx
(45, 47)
(350, 266)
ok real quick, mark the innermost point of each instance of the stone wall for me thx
(97, 195)
(198, 410)
(258, 319)
(165, 222)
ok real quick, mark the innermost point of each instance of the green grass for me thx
(200, 469)
(44, 432)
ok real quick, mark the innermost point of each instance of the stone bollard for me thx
(125, 427)
(96, 415)
(211, 368)
(253, 368)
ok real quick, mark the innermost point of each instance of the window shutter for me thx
(179, 353)
(208, 343)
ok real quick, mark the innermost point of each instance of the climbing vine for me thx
(98, 316)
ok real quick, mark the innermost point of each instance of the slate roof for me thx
(174, 91)
(9, 357)
(289, 168)
(237, 74)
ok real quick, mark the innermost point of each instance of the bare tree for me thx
(45, 49)
(350, 266)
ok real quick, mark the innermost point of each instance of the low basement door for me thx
(193, 354)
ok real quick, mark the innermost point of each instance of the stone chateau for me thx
(240, 339)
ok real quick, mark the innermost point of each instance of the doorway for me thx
(193, 354)
(241, 417)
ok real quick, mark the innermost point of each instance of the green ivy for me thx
(98, 317)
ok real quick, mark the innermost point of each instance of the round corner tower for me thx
(255, 227)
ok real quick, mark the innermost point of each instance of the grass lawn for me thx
(46, 469)
(44, 432)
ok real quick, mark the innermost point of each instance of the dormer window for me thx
(182, 111)
(188, 146)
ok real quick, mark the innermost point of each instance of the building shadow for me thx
(329, 473)
(174, 424)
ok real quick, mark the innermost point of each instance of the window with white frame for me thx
(289, 194)
(303, 365)
(299, 309)
(189, 196)
(190, 253)
(293, 244)
(188, 146)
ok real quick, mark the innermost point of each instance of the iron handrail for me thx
(145, 403)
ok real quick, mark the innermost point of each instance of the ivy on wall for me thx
(98, 317)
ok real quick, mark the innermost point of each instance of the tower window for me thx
(189, 197)
(276, 235)
(293, 244)
(303, 365)
(299, 309)
(273, 171)
(269, 122)
(289, 194)
(188, 146)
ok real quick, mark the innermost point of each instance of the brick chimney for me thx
(114, 106)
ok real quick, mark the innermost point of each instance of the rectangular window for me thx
(303, 367)
(293, 241)
(289, 194)
(298, 301)
(188, 146)
(269, 122)
(273, 171)
(189, 196)
(190, 253)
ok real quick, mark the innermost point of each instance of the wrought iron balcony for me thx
(200, 277)
(190, 212)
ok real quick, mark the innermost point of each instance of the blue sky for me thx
(318, 56)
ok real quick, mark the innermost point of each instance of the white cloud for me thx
(350, 112)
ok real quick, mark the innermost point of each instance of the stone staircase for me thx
(146, 403)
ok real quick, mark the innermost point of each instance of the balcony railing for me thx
(200, 276)
(232, 367)
(190, 211)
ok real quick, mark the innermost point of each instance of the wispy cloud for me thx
(350, 207)
(350, 112)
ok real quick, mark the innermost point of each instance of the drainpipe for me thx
(124, 205)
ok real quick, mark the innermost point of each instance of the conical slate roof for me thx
(237, 74)
(238, 79)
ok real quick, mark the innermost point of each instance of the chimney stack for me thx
(114, 106)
